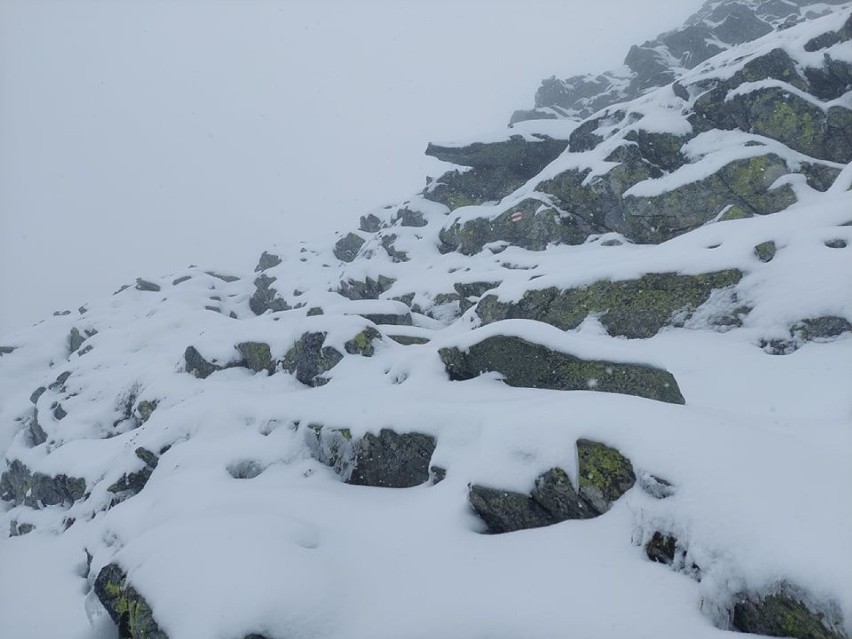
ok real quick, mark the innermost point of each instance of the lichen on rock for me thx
(126, 607)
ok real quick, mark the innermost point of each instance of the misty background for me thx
(139, 137)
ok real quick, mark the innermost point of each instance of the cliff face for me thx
(616, 337)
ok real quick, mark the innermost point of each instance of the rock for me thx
(552, 500)
(265, 297)
(37, 434)
(18, 530)
(656, 487)
(409, 340)
(6, 350)
(181, 280)
(245, 469)
(836, 243)
(132, 483)
(821, 328)
(75, 340)
(346, 249)
(370, 223)
(661, 548)
(605, 474)
(267, 260)
(256, 356)
(531, 225)
(783, 613)
(197, 365)
(390, 248)
(37, 393)
(308, 359)
(389, 459)
(504, 511)
(126, 607)
(765, 251)
(529, 365)
(145, 409)
(407, 217)
(627, 308)
(59, 412)
(362, 343)
(145, 285)
(59, 383)
(523, 158)
(21, 486)
(369, 289)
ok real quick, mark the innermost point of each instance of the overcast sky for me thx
(139, 137)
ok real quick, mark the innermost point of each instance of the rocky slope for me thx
(615, 337)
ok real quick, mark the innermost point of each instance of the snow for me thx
(758, 456)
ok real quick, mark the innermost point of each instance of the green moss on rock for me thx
(626, 308)
(257, 356)
(784, 614)
(126, 607)
(765, 251)
(605, 474)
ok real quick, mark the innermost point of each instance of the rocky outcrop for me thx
(529, 365)
(20, 486)
(387, 460)
(637, 308)
(265, 297)
(126, 607)
(605, 475)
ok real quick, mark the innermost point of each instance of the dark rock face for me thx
(145, 285)
(784, 614)
(346, 249)
(37, 434)
(529, 365)
(132, 483)
(628, 308)
(265, 297)
(6, 350)
(765, 251)
(531, 225)
(388, 460)
(497, 169)
(267, 260)
(309, 359)
(605, 474)
(19, 485)
(197, 365)
(126, 607)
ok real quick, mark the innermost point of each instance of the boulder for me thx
(308, 359)
(369, 289)
(765, 251)
(637, 308)
(196, 364)
(266, 261)
(604, 474)
(530, 224)
(6, 350)
(529, 365)
(784, 613)
(388, 460)
(346, 249)
(265, 297)
(21, 486)
(362, 343)
(145, 285)
(256, 356)
(126, 607)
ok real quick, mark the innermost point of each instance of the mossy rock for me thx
(526, 364)
(605, 474)
(257, 356)
(362, 343)
(637, 308)
(530, 225)
(784, 613)
(145, 409)
(309, 359)
(21, 486)
(346, 249)
(126, 607)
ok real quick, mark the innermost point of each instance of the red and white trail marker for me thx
(517, 216)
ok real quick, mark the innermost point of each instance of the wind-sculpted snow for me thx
(618, 340)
